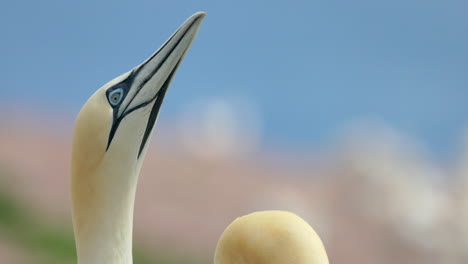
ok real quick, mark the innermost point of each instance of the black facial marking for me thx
(125, 85)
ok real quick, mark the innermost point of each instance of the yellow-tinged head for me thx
(270, 237)
(111, 136)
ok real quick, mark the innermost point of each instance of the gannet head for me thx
(270, 237)
(118, 118)
(111, 136)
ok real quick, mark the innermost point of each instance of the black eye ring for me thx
(115, 97)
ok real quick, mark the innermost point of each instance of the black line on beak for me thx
(156, 107)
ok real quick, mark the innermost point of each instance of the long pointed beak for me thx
(151, 75)
(148, 82)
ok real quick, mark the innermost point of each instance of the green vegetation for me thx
(51, 242)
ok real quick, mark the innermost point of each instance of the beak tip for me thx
(199, 14)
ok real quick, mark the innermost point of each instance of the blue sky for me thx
(309, 66)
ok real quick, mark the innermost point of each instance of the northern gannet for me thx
(111, 136)
(110, 140)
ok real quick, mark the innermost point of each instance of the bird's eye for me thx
(115, 96)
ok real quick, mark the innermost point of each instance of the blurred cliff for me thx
(373, 195)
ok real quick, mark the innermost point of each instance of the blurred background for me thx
(351, 114)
